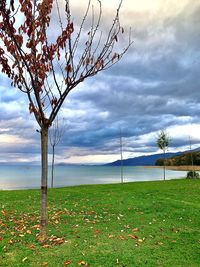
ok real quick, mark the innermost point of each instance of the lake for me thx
(27, 177)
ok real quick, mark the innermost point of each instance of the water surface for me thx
(26, 177)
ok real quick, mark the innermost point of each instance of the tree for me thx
(47, 68)
(121, 158)
(55, 135)
(163, 143)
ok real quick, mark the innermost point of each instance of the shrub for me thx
(192, 175)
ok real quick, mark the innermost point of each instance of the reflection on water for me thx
(19, 177)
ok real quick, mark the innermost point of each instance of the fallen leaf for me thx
(83, 263)
(11, 241)
(122, 237)
(37, 227)
(45, 263)
(46, 246)
(67, 262)
(160, 243)
(12, 233)
(175, 230)
(135, 229)
(110, 236)
(31, 246)
(24, 259)
(1, 238)
(57, 240)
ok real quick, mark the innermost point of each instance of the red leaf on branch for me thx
(68, 68)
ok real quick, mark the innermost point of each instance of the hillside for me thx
(149, 160)
(181, 160)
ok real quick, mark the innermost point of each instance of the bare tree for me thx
(46, 68)
(55, 134)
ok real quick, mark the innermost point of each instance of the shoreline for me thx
(178, 168)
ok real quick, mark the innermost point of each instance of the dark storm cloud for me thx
(155, 86)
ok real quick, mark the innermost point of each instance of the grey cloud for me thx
(155, 86)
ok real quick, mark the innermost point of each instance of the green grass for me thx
(134, 224)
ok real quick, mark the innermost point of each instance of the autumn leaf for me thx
(175, 230)
(68, 68)
(12, 233)
(121, 237)
(31, 246)
(24, 259)
(10, 241)
(37, 227)
(135, 229)
(110, 236)
(67, 262)
(83, 263)
(45, 263)
(57, 240)
(1, 238)
(133, 236)
(159, 243)
(46, 246)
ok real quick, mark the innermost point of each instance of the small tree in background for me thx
(163, 143)
(46, 62)
(55, 134)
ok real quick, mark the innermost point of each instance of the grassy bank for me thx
(135, 224)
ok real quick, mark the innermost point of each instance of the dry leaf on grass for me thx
(46, 246)
(83, 263)
(45, 263)
(67, 262)
(121, 237)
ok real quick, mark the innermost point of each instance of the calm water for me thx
(19, 177)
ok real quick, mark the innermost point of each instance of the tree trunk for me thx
(164, 166)
(43, 236)
(52, 166)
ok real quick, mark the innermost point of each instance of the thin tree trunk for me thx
(164, 166)
(52, 166)
(44, 185)
(121, 152)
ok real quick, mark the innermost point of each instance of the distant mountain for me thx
(149, 160)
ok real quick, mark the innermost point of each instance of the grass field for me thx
(134, 224)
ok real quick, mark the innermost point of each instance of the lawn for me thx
(133, 224)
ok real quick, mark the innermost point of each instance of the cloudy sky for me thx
(155, 86)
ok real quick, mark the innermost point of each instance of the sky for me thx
(155, 86)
